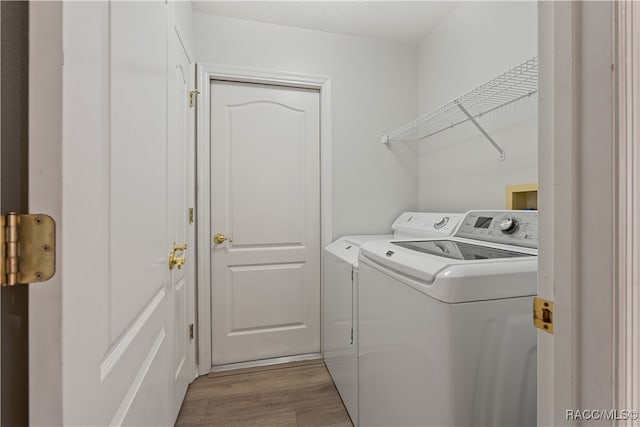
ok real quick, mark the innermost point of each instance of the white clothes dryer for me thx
(340, 321)
(445, 330)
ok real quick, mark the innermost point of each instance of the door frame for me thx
(45, 195)
(627, 296)
(15, 192)
(176, 31)
(590, 232)
(205, 74)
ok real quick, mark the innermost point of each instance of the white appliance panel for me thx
(518, 228)
(445, 335)
(346, 248)
(425, 224)
(340, 311)
(339, 345)
(447, 279)
(422, 362)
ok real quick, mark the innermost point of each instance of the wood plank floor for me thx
(295, 394)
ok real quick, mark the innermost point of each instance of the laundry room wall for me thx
(459, 169)
(374, 89)
(183, 25)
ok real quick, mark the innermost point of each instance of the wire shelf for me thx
(518, 83)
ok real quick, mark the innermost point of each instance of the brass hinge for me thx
(27, 248)
(543, 314)
(192, 97)
(190, 215)
(191, 331)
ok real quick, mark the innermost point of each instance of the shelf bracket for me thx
(481, 129)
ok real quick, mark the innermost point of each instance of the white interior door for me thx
(116, 333)
(265, 184)
(181, 205)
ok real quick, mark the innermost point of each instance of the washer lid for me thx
(346, 248)
(404, 261)
(459, 250)
(474, 273)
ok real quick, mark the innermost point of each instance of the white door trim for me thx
(627, 33)
(557, 187)
(578, 209)
(206, 73)
(45, 195)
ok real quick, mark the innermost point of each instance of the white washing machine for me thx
(445, 326)
(340, 319)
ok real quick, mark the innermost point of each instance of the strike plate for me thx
(543, 314)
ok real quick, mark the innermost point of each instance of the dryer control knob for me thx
(442, 223)
(508, 225)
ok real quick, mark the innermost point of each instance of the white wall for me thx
(374, 90)
(183, 26)
(459, 169)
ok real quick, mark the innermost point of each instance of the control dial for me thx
(442, 223)
(508, 225)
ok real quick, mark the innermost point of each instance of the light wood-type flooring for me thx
(287, 395)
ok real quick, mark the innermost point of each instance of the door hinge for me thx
(190, 215)
(543, 314)
(28, 248)
(192, 97)
(191, 331)
(351, 336)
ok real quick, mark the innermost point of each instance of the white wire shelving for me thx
(518, 83)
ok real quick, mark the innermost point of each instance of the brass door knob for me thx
(219, 238)
(176, 261)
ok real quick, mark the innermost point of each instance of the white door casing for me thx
(627, 33)
(181, 187)
(265, 183)
(577, 199)
(45, 195)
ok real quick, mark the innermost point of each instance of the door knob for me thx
(219, 238)
(176, 261)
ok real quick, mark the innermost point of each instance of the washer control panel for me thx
(426, 224)
(508, 227)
